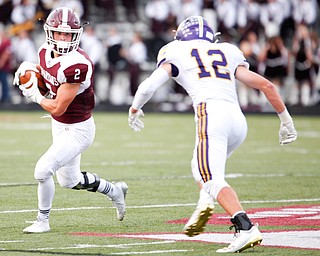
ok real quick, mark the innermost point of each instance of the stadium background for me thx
(117, 25)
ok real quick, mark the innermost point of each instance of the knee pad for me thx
(91, 186)
(214, 186)
(43, 171)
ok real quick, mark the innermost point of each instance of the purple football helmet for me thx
(194, 28)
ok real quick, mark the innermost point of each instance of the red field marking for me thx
(298, 215)
(297, 239)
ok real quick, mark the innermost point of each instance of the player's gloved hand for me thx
(134, 120)
(287, 133)
(24, 66)
(32, 92)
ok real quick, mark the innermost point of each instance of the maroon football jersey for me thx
(75, 67)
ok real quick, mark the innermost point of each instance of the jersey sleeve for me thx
(76, 73)
(238, 57)
(164, 54)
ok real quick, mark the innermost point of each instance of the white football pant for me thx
(220, 128)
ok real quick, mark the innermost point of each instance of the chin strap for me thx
(215, 35)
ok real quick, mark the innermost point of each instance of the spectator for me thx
(303, 64)
(109, 8)
(162, 16)
(188, 7)
(131, 9)
(92, 45)
(5, 10)
(249, 97)
(274, 56)
(23, 16)
(24, 49)
(158, 11)
(305, 11)
(271, 12)
(226, 13)
(287, 26)
(75, 5)
(45, 6)
(115, 58)
(5, 64)
(251, 22)
(136, 55)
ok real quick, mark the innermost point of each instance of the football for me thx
(41, 84)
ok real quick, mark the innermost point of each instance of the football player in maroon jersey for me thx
(68, 73)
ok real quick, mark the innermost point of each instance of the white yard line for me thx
(229, 176)
(149, 252)
(164, 205)
(119, 246)
(81, 246)
(12, 241)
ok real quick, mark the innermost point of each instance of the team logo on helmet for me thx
(193, 28)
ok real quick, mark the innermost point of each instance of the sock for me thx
(234, 215)
(106, 188)
(46, 191)
(43, 215)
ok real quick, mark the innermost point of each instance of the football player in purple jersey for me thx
(207, 71)
(68, 73)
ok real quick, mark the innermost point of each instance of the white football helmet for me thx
(65, 20)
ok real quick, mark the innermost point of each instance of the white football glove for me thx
(32, 92)
(287, 133)
(24, 66)
(134, 120)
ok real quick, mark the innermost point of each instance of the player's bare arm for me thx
(287, 133)
(65, 95)
(257, 81)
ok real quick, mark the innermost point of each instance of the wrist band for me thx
(285, 117)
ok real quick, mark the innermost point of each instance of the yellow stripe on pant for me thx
(202, 151)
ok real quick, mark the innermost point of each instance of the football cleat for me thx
(198, 220)
(243, 240)
(38, 227)
(118, 201)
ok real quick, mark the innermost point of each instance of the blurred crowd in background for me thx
(279, 38)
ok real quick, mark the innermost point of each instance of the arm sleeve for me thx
(147, 88)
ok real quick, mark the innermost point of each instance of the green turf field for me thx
(155, 163)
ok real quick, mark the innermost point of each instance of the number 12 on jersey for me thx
(216, 64)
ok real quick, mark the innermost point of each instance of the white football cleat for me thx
(243, 239)
(38, 227)
(119, 200)
(198, 219)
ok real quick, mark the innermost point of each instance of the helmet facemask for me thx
(63, 47)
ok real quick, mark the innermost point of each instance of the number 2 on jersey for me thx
(77, 74)
(215, 64)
